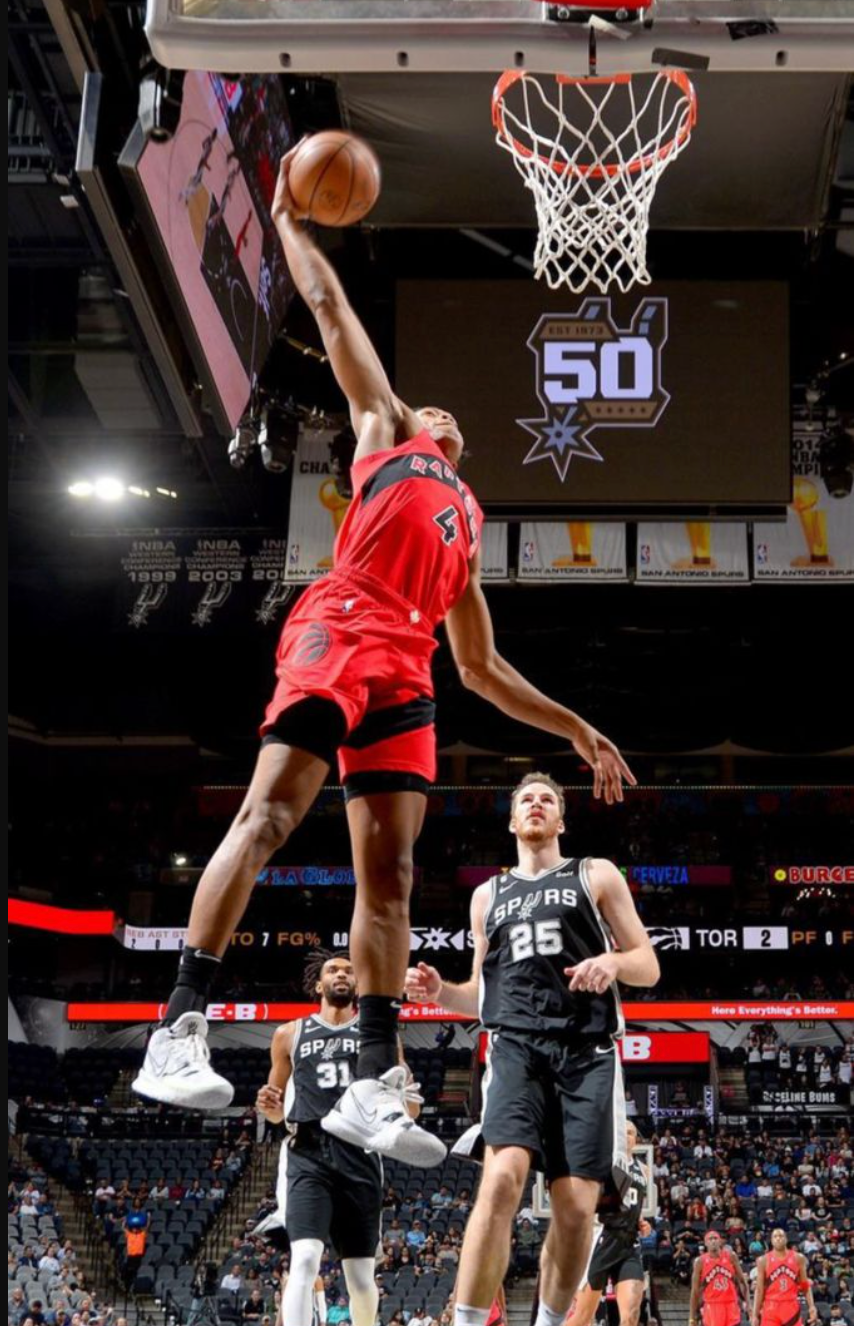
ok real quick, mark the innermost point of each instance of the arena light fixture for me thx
(109, 489)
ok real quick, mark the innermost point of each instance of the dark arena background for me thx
(667, 473)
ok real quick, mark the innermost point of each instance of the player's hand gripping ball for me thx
(332, 178)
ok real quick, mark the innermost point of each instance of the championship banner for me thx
(215, 569)
(317, 510)
(694, 550)
(198, 584)
(816, 541)
(811, 875)
(572, 550)
(493, 551)
(641, 1013)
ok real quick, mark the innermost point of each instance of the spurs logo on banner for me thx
(592, 374)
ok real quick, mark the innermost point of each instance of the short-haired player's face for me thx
(631, 1137)
(713, 1244)
(444, 430)
(337, 982)
(778, 1240)
(535, 816)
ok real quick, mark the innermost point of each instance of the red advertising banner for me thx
(722, 1011)
(655, 1047)
(811, 875)
(60, 920)
(665, 1047)
(243, 1012)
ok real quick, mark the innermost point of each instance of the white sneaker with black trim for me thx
(177, 1067)
(372, 1114)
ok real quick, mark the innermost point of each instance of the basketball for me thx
(335, 178)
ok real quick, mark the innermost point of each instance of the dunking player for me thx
(616, 1253)
(544, 982)
(326, 1188)
(781, 1277)
(718, 1286)
(353, 669)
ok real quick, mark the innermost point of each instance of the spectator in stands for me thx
(195, 1192)
(338, 1312)
(416, 1238)
(36, 1313)
(50, 1261)
(160, 1191)
(746, 1188)
(17, 1303)
(442, 1198)
(217, 1190)
(254, 1306)
(177, 1190)
(28, 1257)
(135, 1228)
(232, 1282)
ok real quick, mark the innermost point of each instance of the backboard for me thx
(446, 36)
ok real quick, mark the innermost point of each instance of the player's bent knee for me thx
(306, 1255)
(501, 1192)
(269, 823)
(388, 882)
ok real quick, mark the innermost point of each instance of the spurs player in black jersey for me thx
(327, 1189)
(544, 983)
(616, 1253)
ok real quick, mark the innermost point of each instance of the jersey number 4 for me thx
(334, 1074)
(448, 522)
(543, 938)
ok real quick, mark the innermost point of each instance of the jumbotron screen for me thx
(674, 396)
(206, 198)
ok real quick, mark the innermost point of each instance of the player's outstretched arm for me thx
(741, 1281)
(424, 985)
(270, 1100)
(379, 419)
(484, 671)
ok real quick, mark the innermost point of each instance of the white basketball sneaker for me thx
(372, 1114)
(177, 1067)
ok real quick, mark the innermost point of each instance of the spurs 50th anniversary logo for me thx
(592, 374)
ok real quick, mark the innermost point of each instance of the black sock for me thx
(378, 1016)
(196, 972)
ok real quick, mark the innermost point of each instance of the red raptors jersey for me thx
(413, 525)
(782, 1278)
(717, 1280)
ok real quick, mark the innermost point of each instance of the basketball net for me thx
(593, 183)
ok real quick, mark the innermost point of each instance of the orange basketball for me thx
(335, 177)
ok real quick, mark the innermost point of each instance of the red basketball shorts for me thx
(352, 640)
(781, 1314)
(721, 1314)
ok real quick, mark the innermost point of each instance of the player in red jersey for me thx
(718, 1286)
(781, 1277)
(353, 669)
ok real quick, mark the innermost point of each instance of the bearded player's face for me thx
(338, 983)
(536, 815)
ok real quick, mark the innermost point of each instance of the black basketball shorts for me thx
(331, 1191)
(564, 1101)
(612, 1259)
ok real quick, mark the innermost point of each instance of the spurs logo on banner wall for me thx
(593, 375)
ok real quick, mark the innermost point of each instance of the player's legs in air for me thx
(284, 784)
